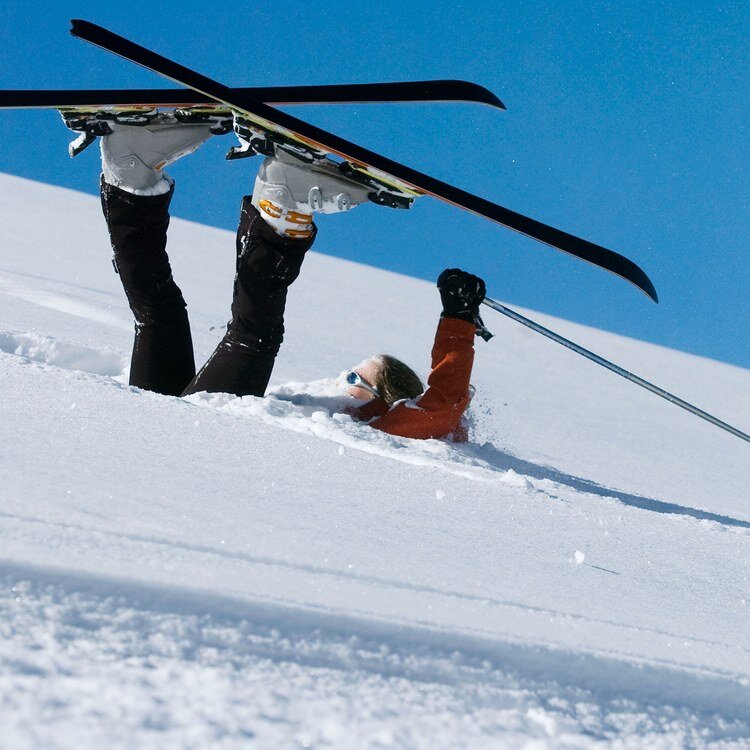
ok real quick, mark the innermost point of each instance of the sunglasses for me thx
(355, 379)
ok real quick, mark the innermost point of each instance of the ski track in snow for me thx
(114, 661)
(50, 351)
(49, 294)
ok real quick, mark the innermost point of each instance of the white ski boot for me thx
(288, 192)
(297, 179)
(137, 146)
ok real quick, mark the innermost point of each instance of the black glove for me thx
(461, 294)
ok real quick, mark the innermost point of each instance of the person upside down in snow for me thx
(275, 231)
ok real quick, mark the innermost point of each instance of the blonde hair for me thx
(396, 381)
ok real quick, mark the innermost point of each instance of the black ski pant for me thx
(162, 358)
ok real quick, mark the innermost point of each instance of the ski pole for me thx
(614, 368)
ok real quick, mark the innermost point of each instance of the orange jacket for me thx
(438, 411)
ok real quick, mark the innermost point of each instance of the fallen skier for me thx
(275, 231)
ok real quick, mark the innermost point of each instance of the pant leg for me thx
(267, 264)
(163, 349)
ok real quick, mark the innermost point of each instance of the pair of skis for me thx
(251, 104)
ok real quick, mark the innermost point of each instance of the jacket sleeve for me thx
(438, 411)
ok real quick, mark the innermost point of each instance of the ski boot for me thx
(298, 179)
(136, 144)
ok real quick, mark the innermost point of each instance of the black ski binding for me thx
(220, 122)
(256, 140)
(383, 193)
(93, 123)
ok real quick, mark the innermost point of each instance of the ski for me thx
(358, 155)
(354, 93)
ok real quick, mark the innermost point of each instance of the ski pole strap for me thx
(481, 329)
(614, 368)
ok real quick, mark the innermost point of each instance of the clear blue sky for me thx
(627, 124)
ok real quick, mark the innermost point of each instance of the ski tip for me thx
(483, 95)
(643, 283)
(497, 102)
(629, 271)
(647, 287)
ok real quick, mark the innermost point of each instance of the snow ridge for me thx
(310, 679)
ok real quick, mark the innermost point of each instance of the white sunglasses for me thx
(355, 379)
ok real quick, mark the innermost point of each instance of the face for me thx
(369, 371)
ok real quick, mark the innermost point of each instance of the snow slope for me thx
(229, 572)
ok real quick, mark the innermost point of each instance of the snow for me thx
(223, 572)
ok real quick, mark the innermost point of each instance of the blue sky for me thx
(627, 124)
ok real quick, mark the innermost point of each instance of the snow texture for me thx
(233, 573)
